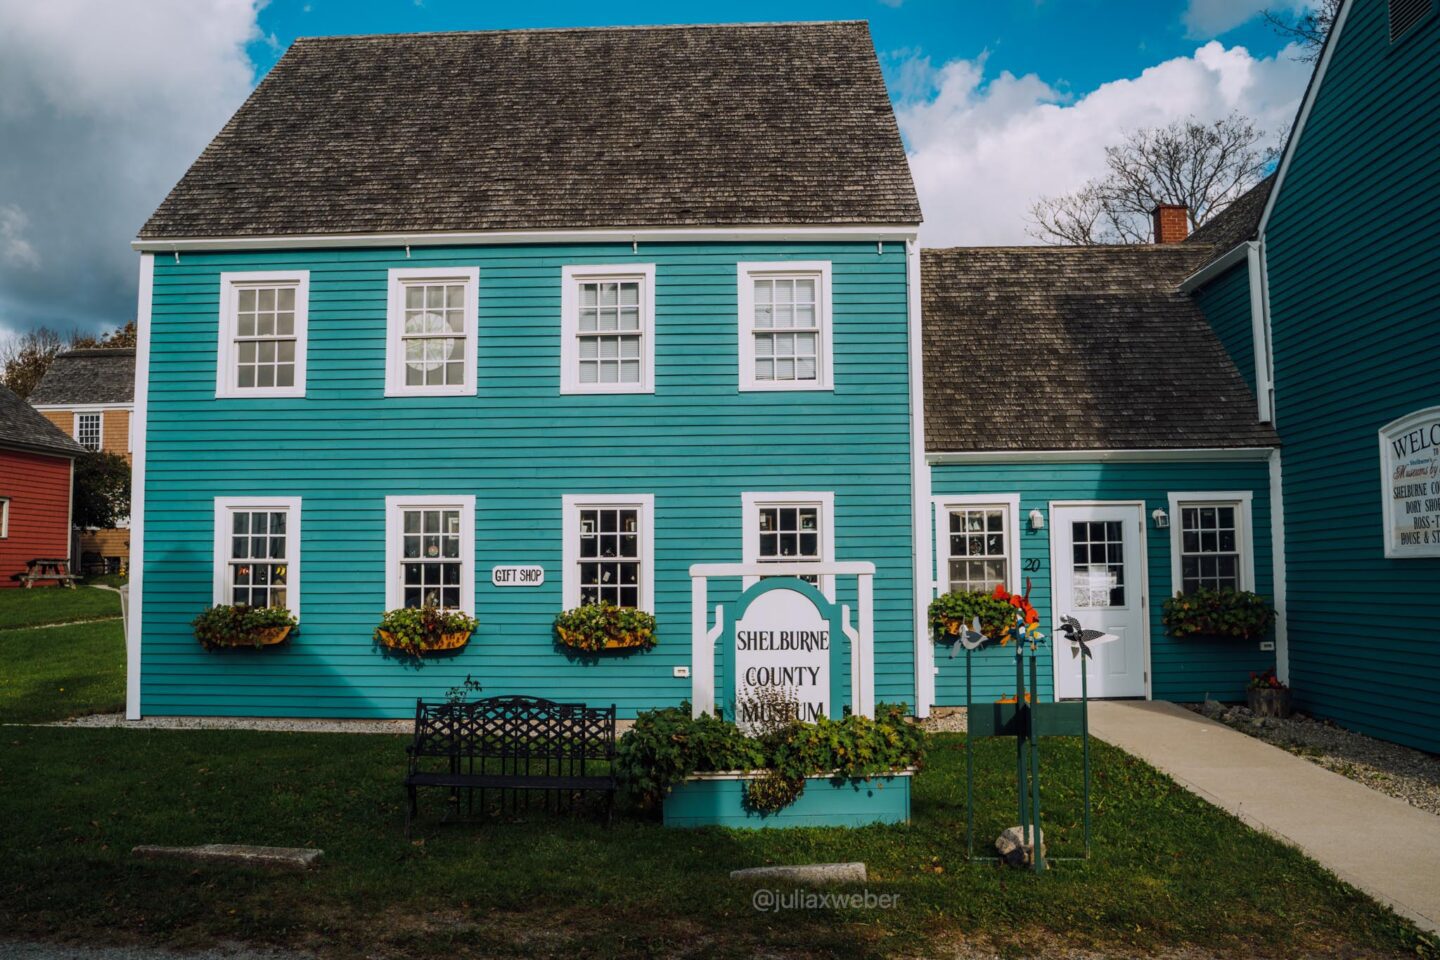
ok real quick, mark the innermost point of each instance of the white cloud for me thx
(103, 105)
(1210, 18)
(982, 151)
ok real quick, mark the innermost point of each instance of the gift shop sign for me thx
(782, 660)
(517, 576)
(1410, 484)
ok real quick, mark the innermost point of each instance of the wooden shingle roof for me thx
(1076, 348)
(23, 427)
(88, 376)
(723, 125)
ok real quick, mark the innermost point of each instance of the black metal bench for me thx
(513, 745)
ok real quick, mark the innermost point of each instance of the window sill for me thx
(462, 390)
(787, 387)
(259, 393)
(577, 390)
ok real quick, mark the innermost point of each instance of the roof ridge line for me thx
(610, 28)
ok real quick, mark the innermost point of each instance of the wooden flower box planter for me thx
(267, 637)
(447, 641)
(718, 799)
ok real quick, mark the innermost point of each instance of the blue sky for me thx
(1074, 45)
(107, 102)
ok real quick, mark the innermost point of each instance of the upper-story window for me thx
(89, 430)
(608, 329)
(263, 326)
(1211, 541)
(257, 552)
(432, 325)
(430, 552)
(785, 324)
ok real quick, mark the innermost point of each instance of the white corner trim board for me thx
(920, 524)
(134, 609)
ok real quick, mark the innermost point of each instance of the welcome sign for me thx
(782, 658)
(1410, 484)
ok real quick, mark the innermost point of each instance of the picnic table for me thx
(48, 568)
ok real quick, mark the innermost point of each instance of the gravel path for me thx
(1409, 775)
(272, 724)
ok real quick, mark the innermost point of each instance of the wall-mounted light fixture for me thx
(1037, 520)
(1161, 518)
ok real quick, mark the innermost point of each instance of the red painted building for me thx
(36, 465)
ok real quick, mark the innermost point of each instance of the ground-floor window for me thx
(609, 550)
(430, 552)
(978, 541)
(790, 528)
(257, 552)
(1210, 539)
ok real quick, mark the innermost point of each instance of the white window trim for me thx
(570, 278)
(394, 591)
(750, 504)
(76, 427)
(4, 517)
(571, 505)
(1245, 541)
(1009, 502)
(395, 385)
(746, 275)
(224, 506)
(225, 387)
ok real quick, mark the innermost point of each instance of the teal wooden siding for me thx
(1353, 250)
(1184, 670)
(695, 444)
(1226, 303)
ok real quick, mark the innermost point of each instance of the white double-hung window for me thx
(89, 430)
(609, 550)
(263, 334)
(607, 329)
(257, 552)
(785, 326)
(789, 527)
(1211, 543)
(432, 322)
(430, 552)
(979, 543)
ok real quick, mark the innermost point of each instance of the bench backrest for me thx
(514, 728)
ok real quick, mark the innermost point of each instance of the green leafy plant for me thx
(959, 608)
(666, 746)
(224, 625)
(1218, 613)
(414, 630)
(596, 626)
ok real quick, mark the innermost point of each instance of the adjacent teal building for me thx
(1337, 275)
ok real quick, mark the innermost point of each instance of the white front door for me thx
(1098, 569)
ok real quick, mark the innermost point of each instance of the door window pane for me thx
(1097, 563)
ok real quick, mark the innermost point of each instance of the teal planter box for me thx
(718, 799)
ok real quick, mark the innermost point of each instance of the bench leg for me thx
(410, 809)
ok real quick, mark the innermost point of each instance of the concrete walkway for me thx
(1376, 843)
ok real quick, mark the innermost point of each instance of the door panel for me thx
(1097, 570)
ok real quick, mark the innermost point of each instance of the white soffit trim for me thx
(1298, 131)
(1215, 267)
(82, 407)
(1189, 454)
(869, 232)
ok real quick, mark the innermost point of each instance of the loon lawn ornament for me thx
(969, 636)
(1081, 639)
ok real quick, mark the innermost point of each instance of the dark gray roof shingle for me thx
(539, 129)
(1075, 348)
(22, 426)
(1236, 223)
(88, 376)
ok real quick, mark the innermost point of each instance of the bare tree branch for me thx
(1200, 166)
(1308, 29)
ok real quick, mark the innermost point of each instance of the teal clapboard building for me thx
(610, 356)
(1338, 266)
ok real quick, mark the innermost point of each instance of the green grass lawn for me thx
(29, 608)
(1169, 870)
(51, 673)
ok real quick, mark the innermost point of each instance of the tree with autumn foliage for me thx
(25, 358)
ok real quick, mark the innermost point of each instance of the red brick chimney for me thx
(1172, 222)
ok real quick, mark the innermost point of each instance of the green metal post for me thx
(1085, 744)
(1020, 785)
(1037, 855)
(969, 762)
